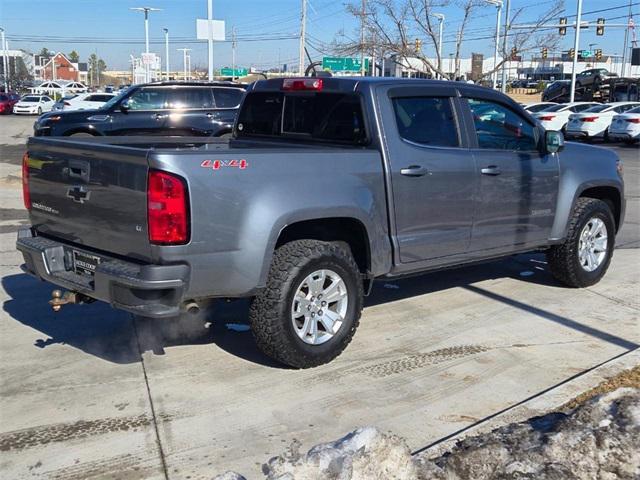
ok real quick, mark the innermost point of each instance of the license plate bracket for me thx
(85, 263)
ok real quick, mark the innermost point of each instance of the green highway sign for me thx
(230, 72)
(586, 53)
(343, 64)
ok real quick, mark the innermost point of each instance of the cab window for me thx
(500, 128)
(426, 121)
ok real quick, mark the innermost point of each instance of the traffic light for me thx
(418, 44)
(572, 53)
(598, 54)
(563, 21)
(600, 27)
(545, 52)
(514, 53)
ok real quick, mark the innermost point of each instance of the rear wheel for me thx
(584, 257)
(311, 306)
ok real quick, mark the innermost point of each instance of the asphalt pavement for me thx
(89, 393)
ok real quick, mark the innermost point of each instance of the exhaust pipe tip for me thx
(192, 307)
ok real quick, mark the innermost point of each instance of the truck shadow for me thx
(117, 337)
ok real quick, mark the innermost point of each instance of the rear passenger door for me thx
(433, 175)
(517, 183)
(227, 101)
(191, 111)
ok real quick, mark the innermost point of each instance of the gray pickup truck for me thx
(326, 185)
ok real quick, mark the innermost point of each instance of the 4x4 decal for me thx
(218, 164)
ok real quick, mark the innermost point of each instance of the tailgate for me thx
(91, 194)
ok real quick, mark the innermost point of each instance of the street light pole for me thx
(146, 11)
(626, 44)
(233, 54)
(440, 18)
(498, 5)
(184, 61)
(210, 36)
(576, 43)
(166, 51)
(364, 8)
(503, 85)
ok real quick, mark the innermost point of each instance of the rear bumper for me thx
(148, 290)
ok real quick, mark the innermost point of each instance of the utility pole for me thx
(189, 66)
(146, 11)
(626, 43)
(4, 60)
(303, 33)
(503, 86)
(576, 43)
(440, 18)
(362, 17)
(166, 51)
(184, 61)
(233, 54)
(210, 36)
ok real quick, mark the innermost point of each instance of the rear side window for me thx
(329, 117)
(189, 98)
(227, 97)
(99, 98)
(426, 121)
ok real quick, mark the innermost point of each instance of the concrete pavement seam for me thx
(153, 410)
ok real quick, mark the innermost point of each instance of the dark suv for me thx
(164, 108)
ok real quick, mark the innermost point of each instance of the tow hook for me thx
(58, 299)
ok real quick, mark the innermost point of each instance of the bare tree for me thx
(400, 27)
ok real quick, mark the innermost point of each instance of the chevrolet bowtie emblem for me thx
(78, 194)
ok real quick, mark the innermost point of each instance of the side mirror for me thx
(124, 105)
(554, 141)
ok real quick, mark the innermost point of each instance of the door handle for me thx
(209, 115)
(414, 171)
(491, 170)
(157, 116)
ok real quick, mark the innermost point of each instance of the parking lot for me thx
(90, 393)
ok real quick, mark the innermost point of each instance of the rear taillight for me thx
(589, 119)
(26, 194)
(302, 84)
(547, 118)
(167, 209)
(632, 120)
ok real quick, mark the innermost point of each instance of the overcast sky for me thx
(111, 30)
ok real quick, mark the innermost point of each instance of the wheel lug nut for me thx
(320, 312)
(324, 304)
(313, 314)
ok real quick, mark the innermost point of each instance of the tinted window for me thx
(634, 110)
(227, 97)
(46, 99)
(426, 120)
(333, 117)
(99, 98)
(597, 108)
(189, 98)
(148, 99)
(499, 127)
(554, 108)
(31, 99)
(624, 108)
(538, 108)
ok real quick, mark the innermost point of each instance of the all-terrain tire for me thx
(564, 260)
(270, 313)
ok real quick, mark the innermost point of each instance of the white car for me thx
(626, 126)
(84, 101)
(536, 107)
(556, 117)
(595, 121)
(33, 105)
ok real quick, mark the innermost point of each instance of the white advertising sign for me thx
(202, 31)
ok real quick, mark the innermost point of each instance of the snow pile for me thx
(598, 440)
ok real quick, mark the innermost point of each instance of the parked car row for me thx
(618, 121)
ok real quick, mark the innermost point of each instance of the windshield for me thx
(115, 99)
(597, 108)
(555, 108)
(30, 99)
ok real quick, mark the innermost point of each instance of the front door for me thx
(517, 186)
(146, 113)
(433, 175)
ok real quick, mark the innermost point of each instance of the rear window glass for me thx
(597, 108)
(554, 108)
(330, 117)
(227, 97)
(31, 99)
(634, 110)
